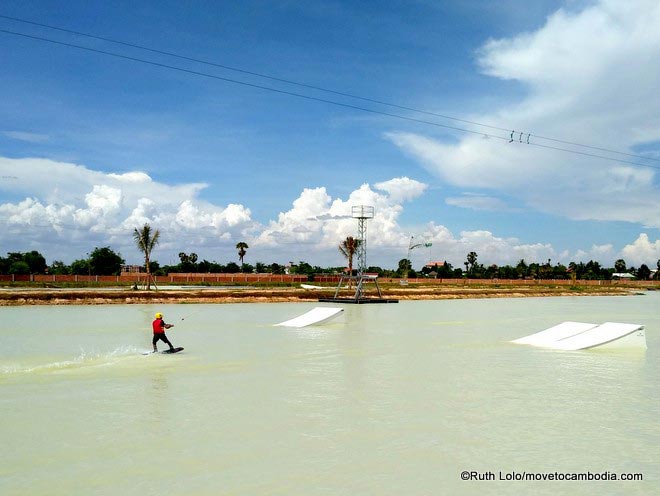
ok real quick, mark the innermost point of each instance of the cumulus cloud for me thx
(490, 248)
(402, 189)
(67, 204)
(318, 220)
(589, 77)
(642, 251)
(101, 209)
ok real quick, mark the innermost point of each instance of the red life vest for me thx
(158, 326)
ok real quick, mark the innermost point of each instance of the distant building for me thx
(431, 265)
(622, 275)
(131, 269)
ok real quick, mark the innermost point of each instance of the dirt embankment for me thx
(100, 296)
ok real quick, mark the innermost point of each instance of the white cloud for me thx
(490, 249)
(32, 212)
(77, 206)
(131, 177)
(99, 209)
(69, 204)
(589, 77)
(321, 222)
(25, 136)
(298, 225)
(477, 202)
(402, 189)
(103, 205)
(642, 251)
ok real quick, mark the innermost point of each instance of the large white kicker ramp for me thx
(316, 315)
(573, 336)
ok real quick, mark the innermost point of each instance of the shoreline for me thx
(106, 296)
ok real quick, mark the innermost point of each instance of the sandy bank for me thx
(103, 296)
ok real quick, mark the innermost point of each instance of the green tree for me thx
(446, 270)
(59, 267)
(247, 268)
(105, 262)
(232, 268)
(188, 262)
(403, 268)
(372, 269)
(534, 270)
(241, 247)
(560, 271)
(349, 248)
(35, 261)
(261, 268)
(19, 267)
(204, 266)
(471, 261)
(276, 268)
(620, 266)
(146, 240)
(12, 258)
(80, 267)
(303, 268)
(643, 273)
(216, 268)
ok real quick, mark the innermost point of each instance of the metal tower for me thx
(362, 213)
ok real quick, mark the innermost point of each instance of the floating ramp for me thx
(316, 315)
(555, 333)
(573, 336)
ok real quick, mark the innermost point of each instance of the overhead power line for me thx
(323, 100)
(318, 88)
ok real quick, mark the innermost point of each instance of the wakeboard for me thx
(173, 350)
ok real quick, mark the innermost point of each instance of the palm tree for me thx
(620, 265)
(472, 260)
(146, 240)
(348, 248)
(241, 247)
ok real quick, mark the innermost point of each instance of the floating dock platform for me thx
(360, 301)
(359, 298)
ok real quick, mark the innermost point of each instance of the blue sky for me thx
(93, 145)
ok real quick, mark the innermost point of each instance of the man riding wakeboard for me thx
(159, 327)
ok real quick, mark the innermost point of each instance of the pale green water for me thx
(388, 400)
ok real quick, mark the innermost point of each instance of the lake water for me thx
(394, 399)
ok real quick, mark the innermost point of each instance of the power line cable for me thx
(243, 83)
(319, 88)
(322, 100)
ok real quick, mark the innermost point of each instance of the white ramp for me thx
(316, 315)
(310, 286)
(555, 333)
(610, 334)
(573, 336)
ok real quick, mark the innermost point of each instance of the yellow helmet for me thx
(159, 315)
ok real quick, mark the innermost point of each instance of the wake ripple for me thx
(84, 360)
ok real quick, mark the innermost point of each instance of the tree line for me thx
(105, 261)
